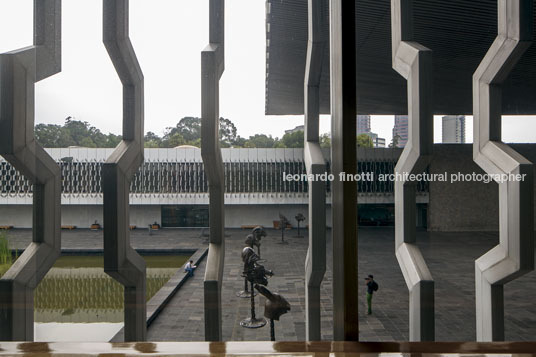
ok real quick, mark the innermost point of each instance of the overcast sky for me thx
(168, 36)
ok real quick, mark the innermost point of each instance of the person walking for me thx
(372, 286)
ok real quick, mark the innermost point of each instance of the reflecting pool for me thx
(77, 301)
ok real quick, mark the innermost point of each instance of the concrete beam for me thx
(343, 159)
(413, 62)
(212, 66)
(315, 261)
(19, 71)
(514, 256)
(122, 262)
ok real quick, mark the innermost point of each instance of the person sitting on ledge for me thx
(189, 268)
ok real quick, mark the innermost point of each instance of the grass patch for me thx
(6, 257)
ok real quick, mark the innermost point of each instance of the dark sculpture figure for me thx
(283, 222)
(249, 257)
(256, 274)
(299, 218)
(275, 306)
(254, 239)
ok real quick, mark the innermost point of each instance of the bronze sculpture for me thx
(299, 218)
(256, 274)
(283, 222)
(275, 306)
(254, 239)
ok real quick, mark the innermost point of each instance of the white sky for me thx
(168, 36)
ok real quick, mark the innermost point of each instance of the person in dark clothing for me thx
(372, 286)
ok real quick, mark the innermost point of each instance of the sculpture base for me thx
(253, 323)
(244, 294)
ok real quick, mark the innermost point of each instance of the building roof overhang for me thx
(459, 32)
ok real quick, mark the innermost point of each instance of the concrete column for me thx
(315, 262)
(343, 159)
(514, 256)
(19, 71)
(212, 67)
(414, 62)
(121, 261)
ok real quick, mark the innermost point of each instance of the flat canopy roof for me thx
(459, 32)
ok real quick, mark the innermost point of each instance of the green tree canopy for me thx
(260, 141)
(325, 140)
(394, 141)
(364, 141)
(73, 133)
(188, 132)
(291, 140)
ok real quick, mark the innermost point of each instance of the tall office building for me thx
(453, 129)
(401, 130)
(376, 141)
(363, 127)
(363, 124)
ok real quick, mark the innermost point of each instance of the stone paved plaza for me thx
(450, 257)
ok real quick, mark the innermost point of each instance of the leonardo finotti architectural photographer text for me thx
(440, 177)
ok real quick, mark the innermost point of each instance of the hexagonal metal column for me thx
(414, 62)
(121, 261)
(514, 256)
(19, 71)
(315, 262)
(344, 160)
(212, 66)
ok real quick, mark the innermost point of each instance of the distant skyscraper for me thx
(454, 129)
(363, 124)
(401, 130)
(363, 127)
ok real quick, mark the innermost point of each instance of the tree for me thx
(227, 133)
(52, 136)
(260, 141)
(394, 141)
(292, 140)
(73, 133)
(240, 142)
(151, 140)
(189, 129)
(364, 141)
(113, 140)
(174, 140)
(325, 140)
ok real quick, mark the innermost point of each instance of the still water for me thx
(77, 301)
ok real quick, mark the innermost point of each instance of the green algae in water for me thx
(77, 290)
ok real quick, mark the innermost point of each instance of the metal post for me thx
(252, 304)
(212, 67)
(20, 70)
(414, 62)
(514, 256)
(253, 322)
(344, 160)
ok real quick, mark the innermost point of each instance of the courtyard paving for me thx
(450, 257)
